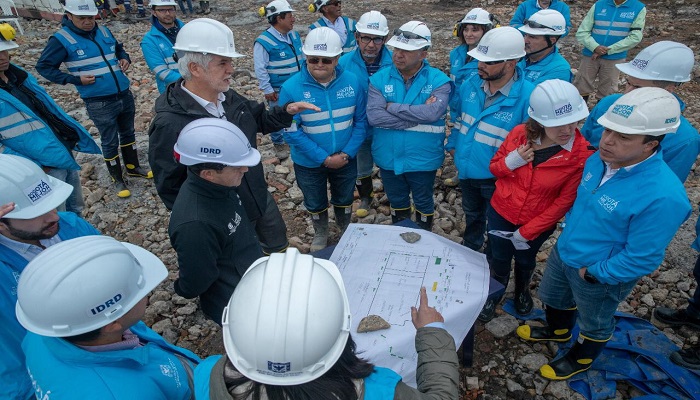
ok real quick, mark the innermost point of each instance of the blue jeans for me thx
(271, 229)
(562, 288)
(114, 118)
(503, 251)
(400, 188)
(277, 137)
(182, 6)
(74, 203)
(476, 197)
(365, 161)
(313, 184)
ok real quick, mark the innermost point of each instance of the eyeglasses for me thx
(376, 40)
(407, 35)
(537, 25)
(323, 60)
(165, 10)
(493, 62)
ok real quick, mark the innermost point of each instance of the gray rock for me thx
(502, 326)
(513, 386)
(558, 389)
(161, 325)
(533, 361)
(187, 309)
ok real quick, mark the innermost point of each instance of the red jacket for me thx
(536, 198)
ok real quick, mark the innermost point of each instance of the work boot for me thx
(489, 311)
(558, 329)
(425, 221)
(342, 217)
(522, 298)
(578, 359)
(676, 317)
(400, 214)
(131, 162)
(201, 8)
(689, 358)
(115, 171)
(320, 222)
(364, 189)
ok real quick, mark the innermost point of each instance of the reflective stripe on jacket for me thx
(158, 53)
(285, 59)
(350, 42)
(612, 23)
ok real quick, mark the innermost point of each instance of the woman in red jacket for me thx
(538, 168)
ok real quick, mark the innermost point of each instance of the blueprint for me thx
(383, 275)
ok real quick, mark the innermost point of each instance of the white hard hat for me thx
(83, 284)
(288, 320)
(205, 35)
(317, 4)
(413, 35)
(498, 44)
(275, 7)
(555, 102)
(162, 3)
(545, 22)
(33, 192)
(7, 37)
(323, 42)
(644, 111)
(373, 23)
(664, 61)
(214, 140)
(81, 7)
(478, 16)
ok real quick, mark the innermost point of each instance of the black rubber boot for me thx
(320, 222)
(558, 329)
(342, 217)
(400, 215)
(115, 171)
(425, 221)
(207, 10)
(131, 162)
(522, 298)
(201, 8)
(489, 311)
(689, 358)
(364, 189)
(578, 359)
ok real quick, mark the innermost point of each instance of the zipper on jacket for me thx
(114, 75)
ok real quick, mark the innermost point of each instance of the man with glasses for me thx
(489, 106)
(607, 32)
(528, 8)
(369, 57)
(277, 55)
(324, 141)
(157, 44)
(406, 105)
(543, 60)
(332, 17)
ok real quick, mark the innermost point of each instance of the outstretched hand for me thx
(425, 314)
(299, 106)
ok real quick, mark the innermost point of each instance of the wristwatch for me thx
(590, 278)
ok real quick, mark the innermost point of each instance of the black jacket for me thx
(214, 240)
(175, 109)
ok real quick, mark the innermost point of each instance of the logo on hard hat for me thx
(482, 49)
(38, 191)
(373, 25)
(623, 110)
(471, 17)
(279, 368)
(107, 304)
(558, 27)
(209, 150)
(401, 38)
(671, 120)
(83, 7)
(321, 47)
(563, 110)
(640, 64)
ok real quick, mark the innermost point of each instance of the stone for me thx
(502, 326)
(372, 323)
(410, 237)
(161, 325)
(187, 309)
(533, 361)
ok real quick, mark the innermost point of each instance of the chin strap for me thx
(549, 46)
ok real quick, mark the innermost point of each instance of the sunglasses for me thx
(407, 35)
(376, 40)
(165, 10)
(316, 60)
(333, 3)
(537, 25)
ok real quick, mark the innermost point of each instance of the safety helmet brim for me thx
(548, 123)
(59, 193)
(411, 45)
(628, 69)
(8, 45)
(539, 32)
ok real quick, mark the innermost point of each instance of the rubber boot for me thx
(489, 311)
(364, 189)
(558, 329)
(115, 171)
(522, 298)
(207, 10)
(578, 359)
(201, 8)
(425, 221)
(320, 222)
(342, 217)
(400, 214)
(131, 162)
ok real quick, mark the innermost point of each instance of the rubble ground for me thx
(504, 367)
